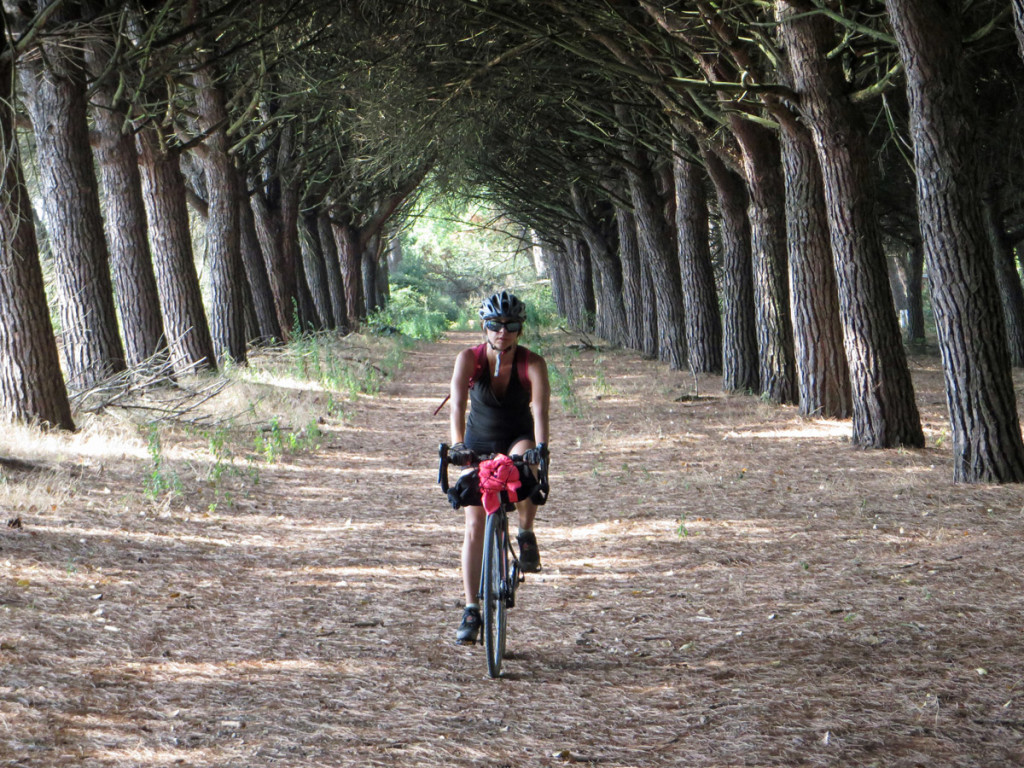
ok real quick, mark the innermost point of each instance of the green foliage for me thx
(681, 529)
(160, 480)
(274, 441)
(325, 359)
(269, 443)
(563, 382)
(601, 383)
(456, 251)
(415, 314)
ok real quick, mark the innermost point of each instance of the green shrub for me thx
(413, 314)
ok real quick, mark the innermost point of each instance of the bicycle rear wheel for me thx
(495, 609)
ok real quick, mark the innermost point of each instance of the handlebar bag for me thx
(502, 477)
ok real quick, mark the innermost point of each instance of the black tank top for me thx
(494, 423)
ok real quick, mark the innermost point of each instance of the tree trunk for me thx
(315, 267)
(651, 337)
(1007, 280)
(607, 271)
(632, 278)
(53, 81)
(1018, 24)
(368, 265)
(597, 286)
(822, 371)
(910, 266)
(762, 165)
(255, 265)
(268, 234)
(131, 263)
(291, 255)
(223, 231)
(987, 442)
(658, 252)
(703, 322)
(915, 293)
(383, 272)
(347, 240)
(31, 384)
(555, 258)
(252, 325)
(581, 304)
(739, 326)
(170, 240)
(537, 253)
(884, 411)
(332, 270)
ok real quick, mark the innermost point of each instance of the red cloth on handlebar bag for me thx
(496, 475)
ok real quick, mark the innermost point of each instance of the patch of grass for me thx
(160, 481)
(681, 529)
(411, 314)
(563, 382)
(601, 386)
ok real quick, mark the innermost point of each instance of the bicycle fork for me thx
(511, 574)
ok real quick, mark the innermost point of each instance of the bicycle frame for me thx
(500, 573)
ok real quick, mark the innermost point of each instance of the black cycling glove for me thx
(460, 455)
(534, 455)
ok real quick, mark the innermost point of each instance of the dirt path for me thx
(725, 584)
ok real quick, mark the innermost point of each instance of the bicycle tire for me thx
(495, 608)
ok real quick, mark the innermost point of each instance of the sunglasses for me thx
(512, 326)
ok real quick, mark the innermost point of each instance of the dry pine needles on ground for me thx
(724, 584)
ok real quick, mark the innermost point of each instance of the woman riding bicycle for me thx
(506, 415)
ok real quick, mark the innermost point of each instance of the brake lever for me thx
(442, 469)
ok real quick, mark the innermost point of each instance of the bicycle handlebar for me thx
(445, 461)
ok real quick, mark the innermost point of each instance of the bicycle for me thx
(500, 572)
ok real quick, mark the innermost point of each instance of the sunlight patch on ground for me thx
(149, 756)
(181, 671)
(281, 381)
(91, 439)
(819, 429)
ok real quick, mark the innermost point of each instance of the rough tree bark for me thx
(267, 225)
(909, 264)
(370, 267)
(763, 170)
(739, 328)
(347, 240)
(607, 268)
(315, 267)
(335, 284)
(658, 252)
(1018, 24)
(223, 230)
(884, 411)
(822, 370)
(274, 199)
(555, 258)
(703, 322)
(632, 278)
(580, 302)
(131, 263)
(651, 336)
(987, 443)
(53, 78)
(254, 264)
(31, 384)
(181, 302)
(1011, 292)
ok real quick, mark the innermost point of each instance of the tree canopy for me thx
(824, 141)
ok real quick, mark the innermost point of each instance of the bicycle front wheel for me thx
(495, 608)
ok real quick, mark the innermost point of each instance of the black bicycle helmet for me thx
(503, 304)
